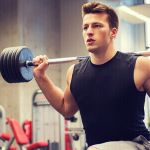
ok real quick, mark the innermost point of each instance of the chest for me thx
(104, 79)
(103, 86)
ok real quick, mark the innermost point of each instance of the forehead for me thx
(90, 18)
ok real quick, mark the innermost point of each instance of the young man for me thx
(108, 88)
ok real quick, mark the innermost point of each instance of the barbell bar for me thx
(16, 63)
(59, 60)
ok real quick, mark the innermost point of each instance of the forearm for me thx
(53, 94)
(63, 102)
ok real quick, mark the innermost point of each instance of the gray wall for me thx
(36, 24)
(39, 26)
(51, 27)
(130, 37)
(71, 33)
(9, 95)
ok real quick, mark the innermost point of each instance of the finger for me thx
(39, 59)
(44, 60)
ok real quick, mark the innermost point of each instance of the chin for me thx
(92, 50)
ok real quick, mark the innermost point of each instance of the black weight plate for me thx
(12, 64)
(8, 65)
(5, 73)
(15, 65)
(19, 76)
(26, 72)
(1, 61)
(14, 78)
(1, 64)
(8, 74)
(11, 72)
(8, 68)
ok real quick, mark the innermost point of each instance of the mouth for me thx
(90, 41)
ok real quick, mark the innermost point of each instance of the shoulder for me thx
(143, 63)
(128, 59)
(76, 68)
(69, 73)
(142, 72)
(80, 66)
(143, 66)
(125, 56)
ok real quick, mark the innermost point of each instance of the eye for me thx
(97, 25)
(85, 28)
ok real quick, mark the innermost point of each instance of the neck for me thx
(103, 55)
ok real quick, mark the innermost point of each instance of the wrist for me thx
(40, 75)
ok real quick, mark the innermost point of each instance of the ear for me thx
(114, 32)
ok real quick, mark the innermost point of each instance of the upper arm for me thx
(69, 101)
(142, 73)
(147, 81)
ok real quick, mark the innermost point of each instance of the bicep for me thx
(142, 74)
(71, 106)
(147, 87)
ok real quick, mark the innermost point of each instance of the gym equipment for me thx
(22, 139)
(72, 119)
(2, 119)
(27, 127)
(75, 137)
(16, 63)
(7, 141)
(46, 122)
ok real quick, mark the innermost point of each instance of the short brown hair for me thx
(95, 7)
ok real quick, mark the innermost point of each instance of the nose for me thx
(90, 31)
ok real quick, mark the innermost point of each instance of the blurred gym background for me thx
(53, 27)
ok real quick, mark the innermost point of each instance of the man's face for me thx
(97, 33)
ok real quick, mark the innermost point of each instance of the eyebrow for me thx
(93, 23)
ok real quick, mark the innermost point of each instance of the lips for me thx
(90, 41)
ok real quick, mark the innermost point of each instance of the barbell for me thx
(16, 63)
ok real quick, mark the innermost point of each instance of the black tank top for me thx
(110, 105)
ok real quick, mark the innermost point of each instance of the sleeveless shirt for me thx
(110, 105)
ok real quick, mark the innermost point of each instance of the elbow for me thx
(69, 114)
(69, 110)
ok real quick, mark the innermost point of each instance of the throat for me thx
(102, 58)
